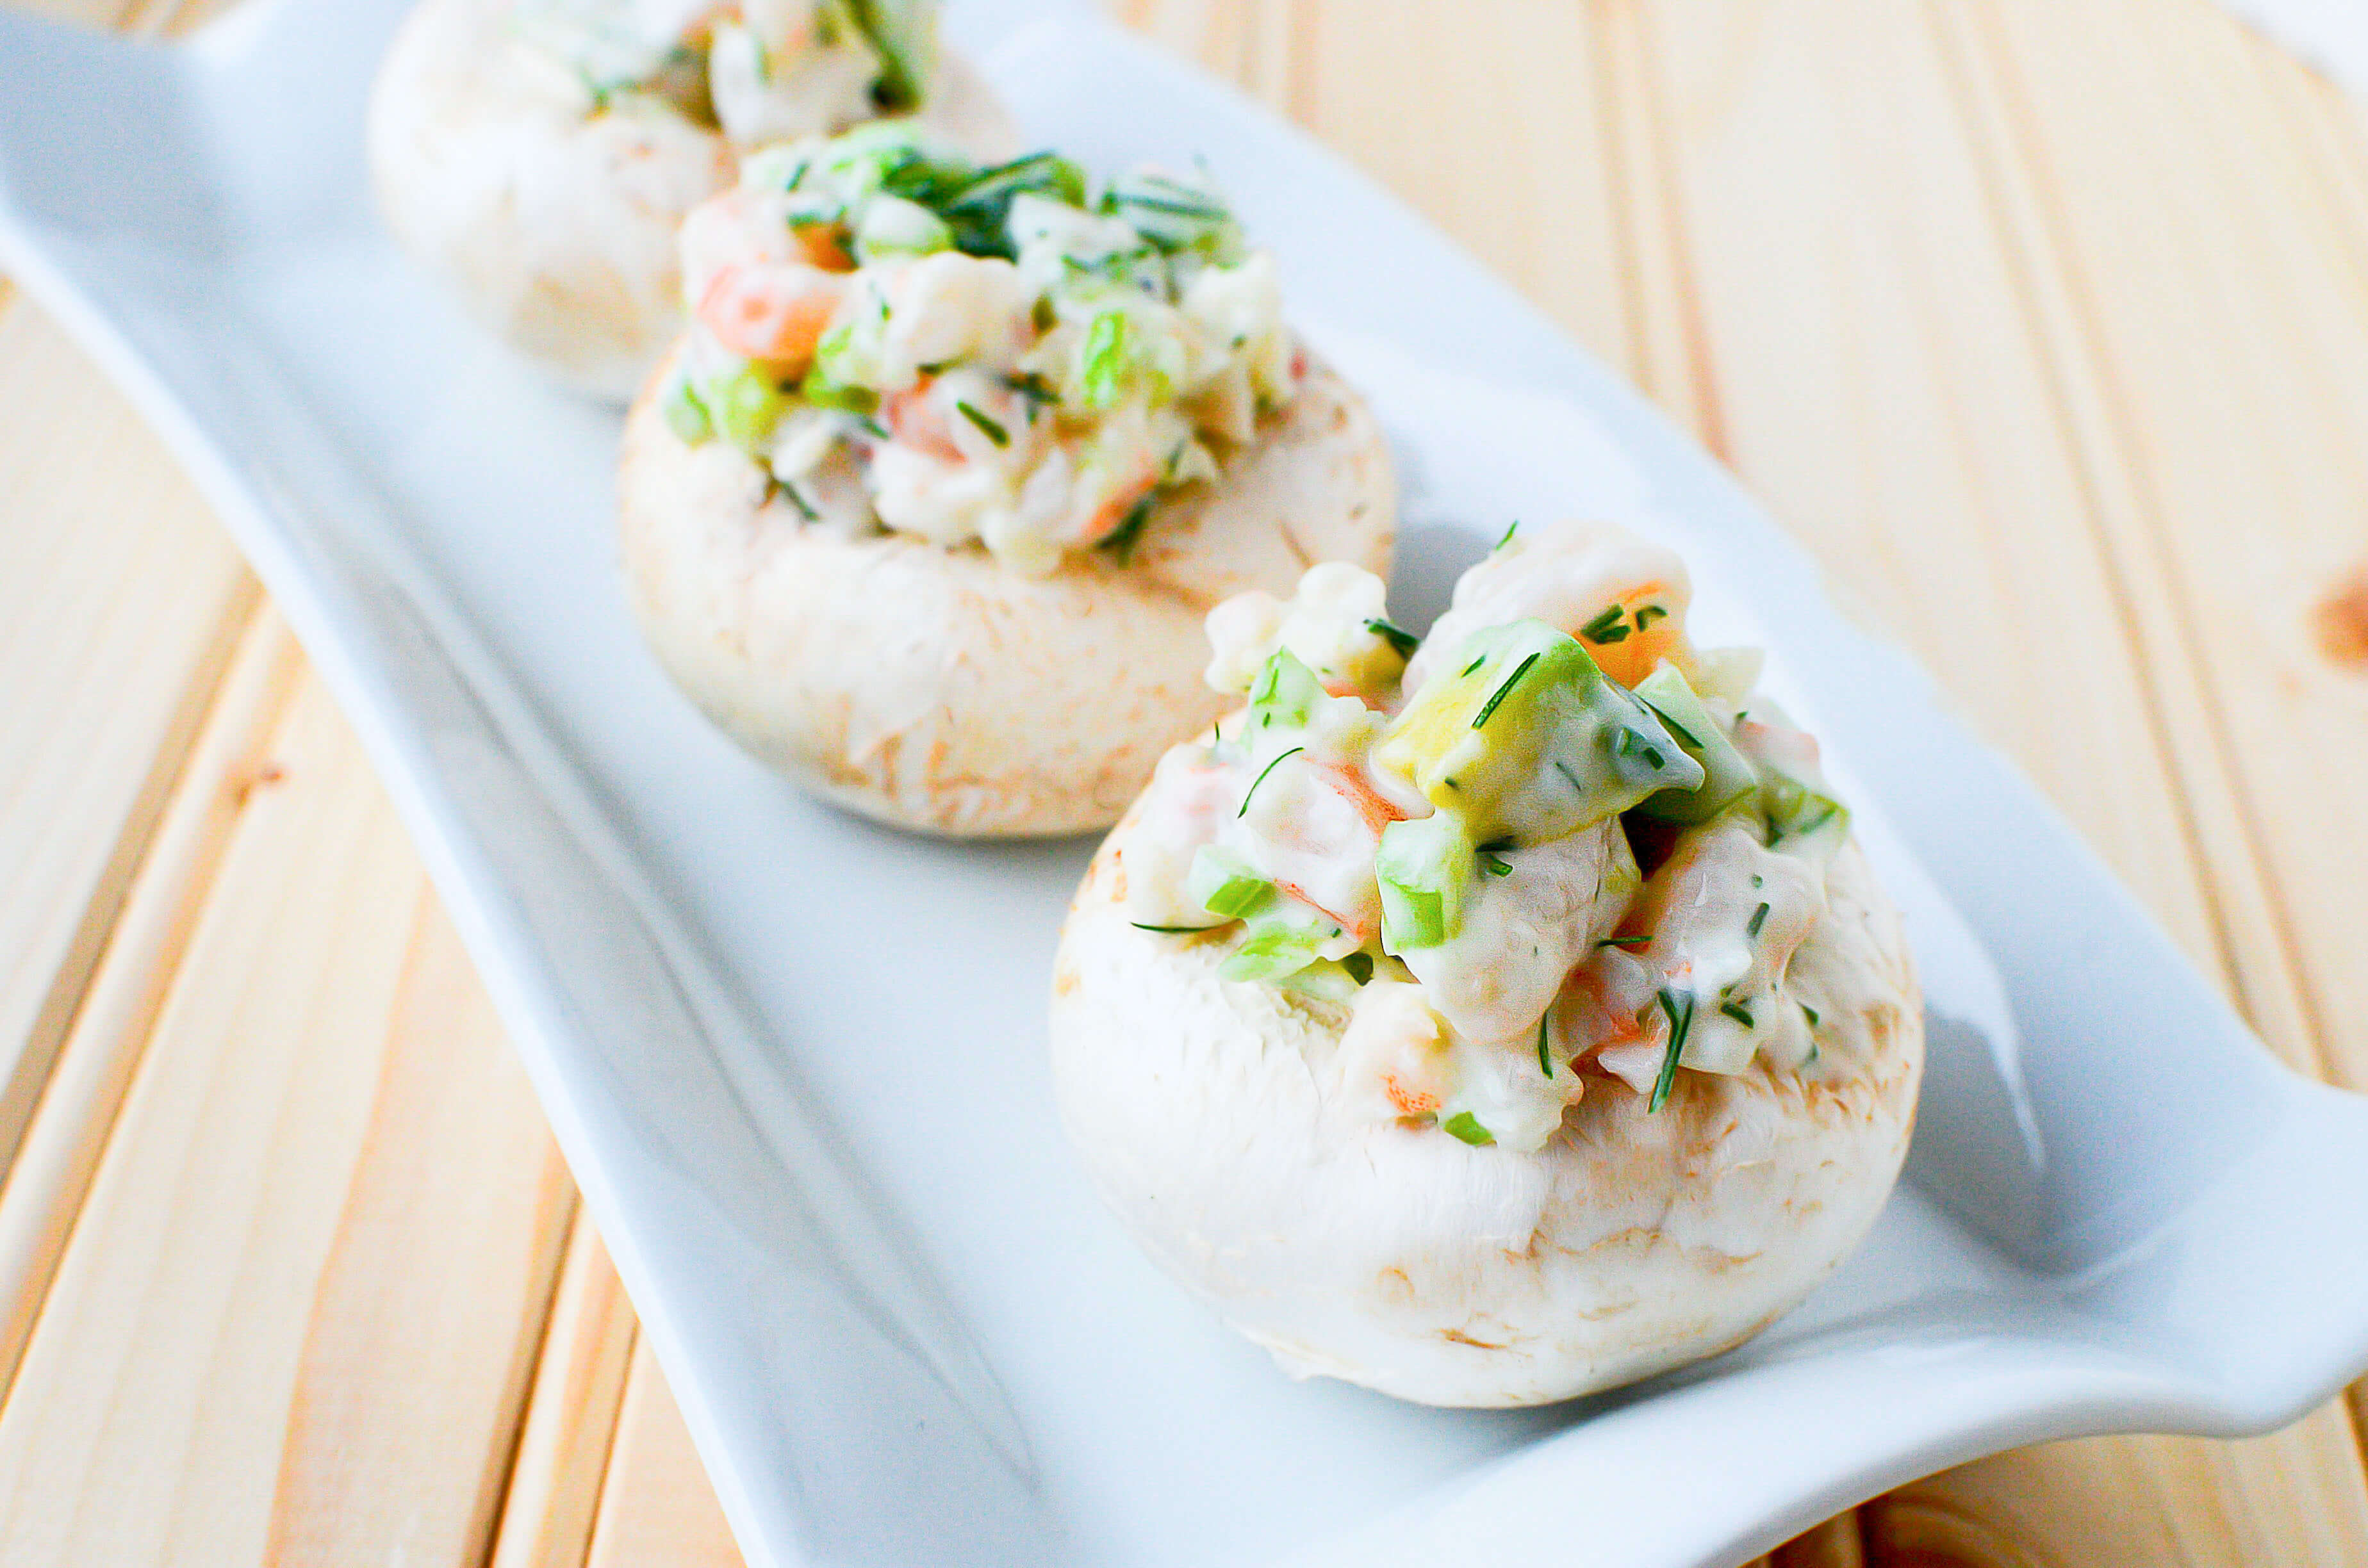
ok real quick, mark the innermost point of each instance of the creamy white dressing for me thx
(1004, 363)
(1512, 974)
(760, 70)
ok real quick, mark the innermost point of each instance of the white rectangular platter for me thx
(796, 1061)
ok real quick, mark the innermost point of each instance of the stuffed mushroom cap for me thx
(1613, 1102)
(936, 688)
(541, 168)
(928, 505)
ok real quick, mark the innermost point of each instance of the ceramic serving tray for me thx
(797, 1061)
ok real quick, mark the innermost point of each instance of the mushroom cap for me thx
(1209, 1114)
(556, 229)
(938, 690)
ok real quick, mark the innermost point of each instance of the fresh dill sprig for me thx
(1680, 1020)
(1497, 696)
(1270, 767)
(987, 428)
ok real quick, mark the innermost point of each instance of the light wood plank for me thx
(563, 1458)
(658, 1507)
(1884, 379)
(294, 1318)
(45, 1187)
(2244, 427)
(2285, 1499)
(119, 603)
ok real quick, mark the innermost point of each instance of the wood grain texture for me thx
(296, 1314)
(658, 1507)
(128, 600)
(46, 1185)
(570, 1425)
(2044, 322)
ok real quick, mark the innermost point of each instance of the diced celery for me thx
(1466, 1126)
(1285, 693)
(1225, 884)
(1728, 777)
(1280, 943)
(1802, 816)
(745, 407)
(829, 383)
(1423, 867)
(686, 414)
(1106, 359)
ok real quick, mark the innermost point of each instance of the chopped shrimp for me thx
(1319, 826)
(1623, 597)
(916, 421)
(1119, 501)
(775, 312)
(1392, 1056)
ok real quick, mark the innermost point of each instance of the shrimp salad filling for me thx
(758, 71)
(908, 341)
(1551, 845)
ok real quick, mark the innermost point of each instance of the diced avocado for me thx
(1423, 867)
(1728, 777)
(1284, 694)
(1225, 884)
(1523, 735)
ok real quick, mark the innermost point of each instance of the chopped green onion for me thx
(1495, 864)
(1545, 1060)
(1648, 614)
(1121, 541)
(986, 427)
(1605, 628)
(783, 487)
(1397, 637)
(1176, 930)
(1270, 767)
(1809, 1012)
(1738, 1012)
(1631, 742)
(1466, 1126)
(1497, 696)
(1359, 967)
(1636, 939)
(1510, 530)
(1759, 918)
(1679, 1022)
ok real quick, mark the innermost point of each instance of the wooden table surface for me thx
(2044, 322)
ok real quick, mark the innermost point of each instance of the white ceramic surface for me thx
(797, 1060)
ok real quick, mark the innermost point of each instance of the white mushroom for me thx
(551, 212)
(1518, 1214)
(937, 689)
